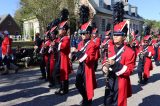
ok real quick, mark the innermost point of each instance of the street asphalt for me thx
(25, 89)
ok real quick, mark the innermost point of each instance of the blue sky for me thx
(149, 9)
(8, 6)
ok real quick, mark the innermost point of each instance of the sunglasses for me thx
(145, 41)
(82, 34)
(61, 28)
(118, 35)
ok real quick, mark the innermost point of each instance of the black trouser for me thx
(156, 56)
(56, 70)
(81, 86)
(6, 61)
(42, 67)
(140, 67)
(65, 85)
(111, 94)
(156, 53)
(111, 98)
(48, 69)
(95, 65)
(140, 76)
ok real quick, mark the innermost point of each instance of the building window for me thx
(103, 24)
(134, 26)
(126, 0)
(101, 3)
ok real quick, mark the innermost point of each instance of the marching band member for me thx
(97, 41)
(62, 65)
(85, 77)
(118, 64)
(146, 51)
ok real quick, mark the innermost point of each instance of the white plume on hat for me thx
(6, 32)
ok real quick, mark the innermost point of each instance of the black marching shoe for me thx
(140, 82)
(41, 78)
(145, 81)
(63, 88)
(60, 92)
(51, 85)
(86, 103)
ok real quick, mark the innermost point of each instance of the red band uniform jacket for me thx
(64, 50)
(97, 41)
(147, 60)
(119, 81)
(88, 68)
(157, 49)
(52, 56)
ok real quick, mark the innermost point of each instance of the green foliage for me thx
(129, 37)
(44, 10)
(153, 23)
(32, 34)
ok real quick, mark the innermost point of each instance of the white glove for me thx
(105, 69)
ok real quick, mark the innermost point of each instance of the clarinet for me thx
(107, 72)
(142, 56)
(43, 50)
(157, 44)
(104, 49)
(53, 49)
(77, 55)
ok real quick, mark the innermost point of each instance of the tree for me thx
(155, 26)
(153, 23)
(44, 10)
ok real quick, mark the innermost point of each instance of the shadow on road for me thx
(98, 101)
(21, 86)
(136, 89)
(49, 100)
(152, 100)
(154, 78)
(13, 77)
(27, 93)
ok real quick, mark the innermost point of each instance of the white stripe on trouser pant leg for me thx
(150, 54)
(3, 56)
(83, 58)
(123, 70)
(59, 46)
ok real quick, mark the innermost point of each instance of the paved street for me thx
(25, 89)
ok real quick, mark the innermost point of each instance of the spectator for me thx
(22, 55)
(7, 56)
(38, 45)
